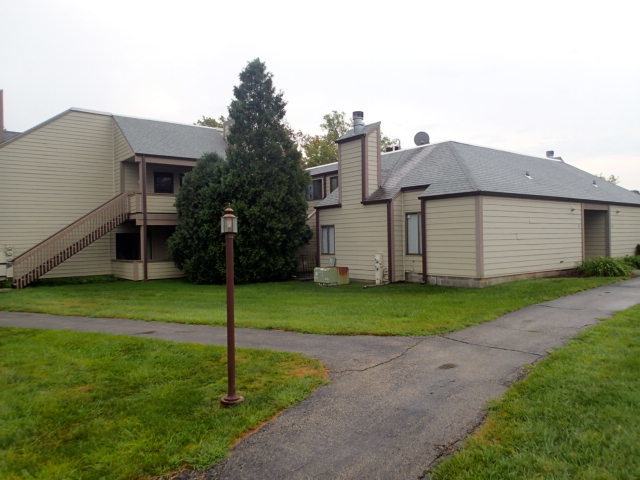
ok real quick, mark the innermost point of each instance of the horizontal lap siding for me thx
(373, 154)
(159, 270)
(360, 231)
(527, 236)
(409, 263)
(51, 177)
(625, 230)
(451, 237)
(595, 234)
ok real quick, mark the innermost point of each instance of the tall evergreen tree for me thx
(265, 180)
(197, 247)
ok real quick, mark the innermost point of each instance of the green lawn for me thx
(398, 309)
(91, 406)
(576, 416)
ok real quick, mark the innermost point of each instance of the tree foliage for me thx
(211, 122)
(266, 179)
(322, 149)
(611, 178)
(197, 247)
(263, 180)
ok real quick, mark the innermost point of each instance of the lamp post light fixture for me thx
(229, 227)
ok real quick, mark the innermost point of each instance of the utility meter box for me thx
(330, 276)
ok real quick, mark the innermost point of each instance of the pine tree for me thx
(265, 180)
(197, 247)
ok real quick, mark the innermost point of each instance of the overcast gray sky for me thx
(520, 76)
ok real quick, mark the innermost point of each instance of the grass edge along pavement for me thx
(574, 416)
(89, 405)
(397, 309)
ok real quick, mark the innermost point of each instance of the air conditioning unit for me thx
(329, 276)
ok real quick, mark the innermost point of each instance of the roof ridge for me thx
(463, 166)
(218, 129)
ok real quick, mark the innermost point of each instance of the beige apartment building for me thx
(456, 214)
(91, 193)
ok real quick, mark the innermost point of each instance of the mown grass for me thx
(91, 406)
(576, 416)
(398, 309)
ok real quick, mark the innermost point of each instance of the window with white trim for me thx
(414, 233)
(328, 240)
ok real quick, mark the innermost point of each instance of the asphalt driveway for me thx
(394, 404)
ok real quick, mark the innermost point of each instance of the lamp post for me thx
(229, 227)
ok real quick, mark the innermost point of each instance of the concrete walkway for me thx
(395, 404)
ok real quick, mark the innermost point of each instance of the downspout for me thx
(390, 241)
(143, 233)
(423, 214)
(318, 239)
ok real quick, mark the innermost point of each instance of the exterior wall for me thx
(625, 230)
(373, 161)
(360, 230)
(130, 177)
(595, 233)
(360, 234)
(451, 237)
(407, 267)
(527, 236)
(51, 177)
(132, 270)
(122, 151)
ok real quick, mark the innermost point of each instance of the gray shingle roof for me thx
(152, 137)
(452, 168)
(322, 169)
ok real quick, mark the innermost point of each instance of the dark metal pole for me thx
(231, 398)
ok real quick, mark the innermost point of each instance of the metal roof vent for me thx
(550, 153)
(595, 184)
(528, 175)
(358, 121)
(421, 138)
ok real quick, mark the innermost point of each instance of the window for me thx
(328, 240)
(414, 234)
(127, 246)
(333, 183)
(314, 191)
(162, 182)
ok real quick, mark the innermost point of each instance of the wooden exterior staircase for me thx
(51, 252)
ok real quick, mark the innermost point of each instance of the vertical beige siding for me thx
(451, 237)
(527, 236)
(360, 230)
(373, 161)
(625, 230)
(595, 233)
(52, 176)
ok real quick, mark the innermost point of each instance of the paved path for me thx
(395, 404)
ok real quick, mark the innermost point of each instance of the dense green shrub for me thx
(604, 267)
(634, 261)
